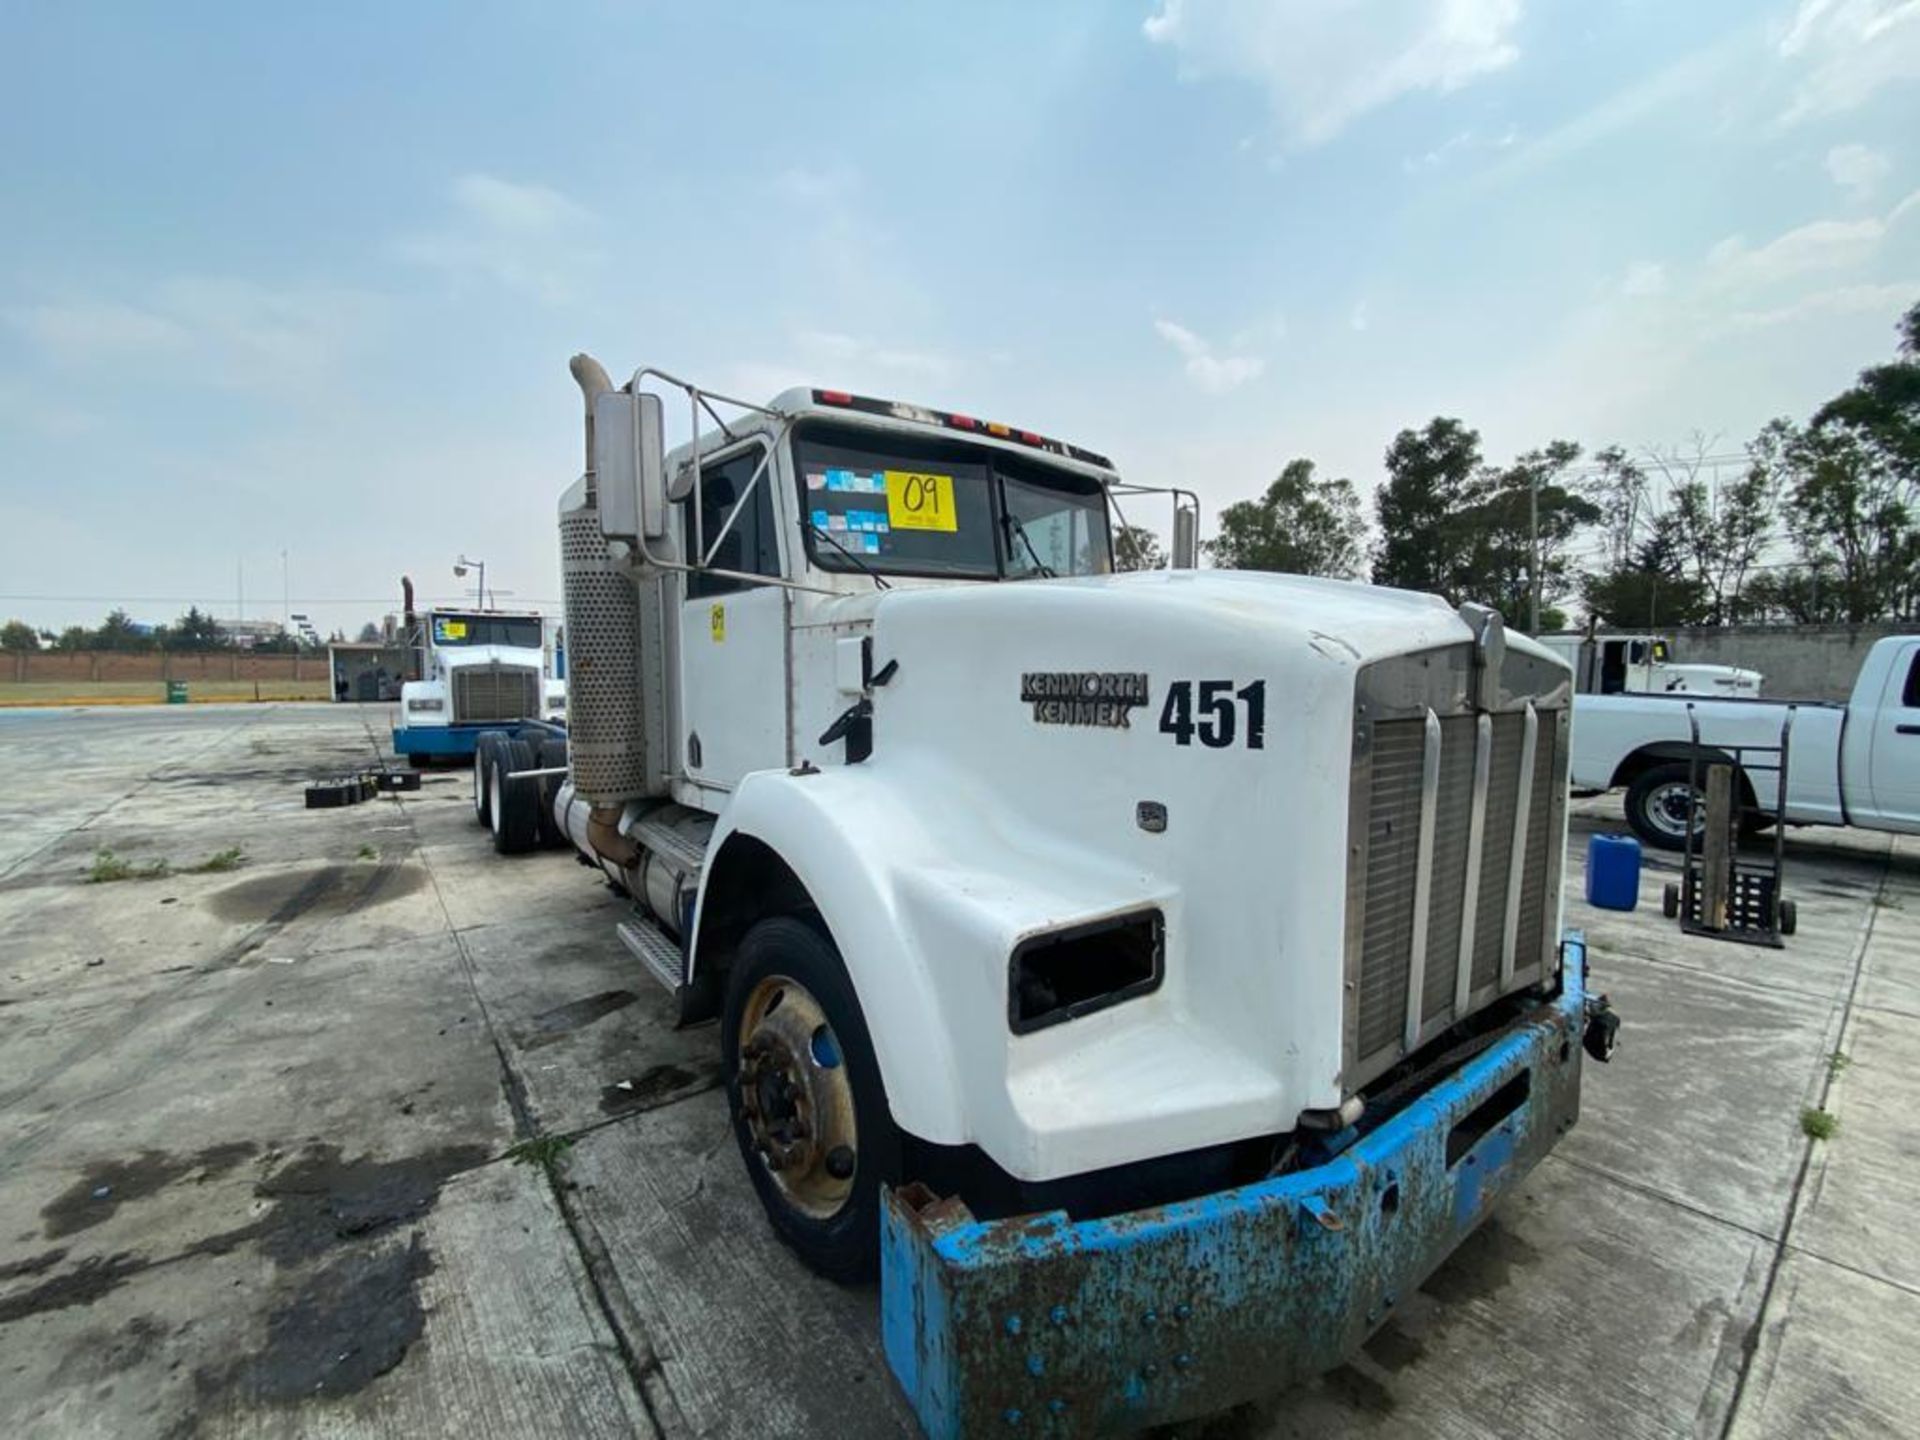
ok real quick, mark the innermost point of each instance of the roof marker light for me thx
(833, 397)
(962, 422)
(993, 429)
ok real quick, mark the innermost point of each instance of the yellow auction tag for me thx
(917, 501)
(453, 629)
(717, 622)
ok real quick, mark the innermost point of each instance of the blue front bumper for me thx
(1043, 1326)
(446, 740)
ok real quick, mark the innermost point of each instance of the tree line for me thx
(1820, 521)
(195, 630)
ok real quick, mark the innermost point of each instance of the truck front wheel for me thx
(809, 1109)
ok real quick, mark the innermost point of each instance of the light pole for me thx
(460, 568)
(1533, 561)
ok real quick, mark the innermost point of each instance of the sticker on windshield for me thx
(918, 501)
(449, 629)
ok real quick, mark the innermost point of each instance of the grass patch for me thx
(219, 862)
(109, 867)
(367, 852)
(1819, 1124)
(544, 1151)
(1838, 1061)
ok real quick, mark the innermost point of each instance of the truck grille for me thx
(482, 694)
(1441, 919)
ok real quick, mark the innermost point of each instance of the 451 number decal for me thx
(1217, 713)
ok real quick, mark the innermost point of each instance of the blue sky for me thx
(307, 279)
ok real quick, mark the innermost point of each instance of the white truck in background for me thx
(475, 670)
(1855, 764)
(1609, 664)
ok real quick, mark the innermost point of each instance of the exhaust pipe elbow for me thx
(592, 378)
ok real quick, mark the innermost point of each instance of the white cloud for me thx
(1857, 169)
(1325, 65)
(206, 329)
(1818, 246)
(1358, 319)
(526, 237)
(1850, 51)
(1644, 278)
(1215, 374)
(80, 332)
(832, 357)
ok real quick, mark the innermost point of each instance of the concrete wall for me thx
(1798, 662)
(86, 666)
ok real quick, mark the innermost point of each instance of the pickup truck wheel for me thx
(1661, 804)
(809, 1109)
(515, 804)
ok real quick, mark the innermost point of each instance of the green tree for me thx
(1649, 589)
(1134, 548)
(1434, 477)
(1302, 525)
(1529, 512)
(118, 632)
(18, 635)
(1853, 499)
(1720, 531)
(1851, 514)
(74, 637)
(195, 630)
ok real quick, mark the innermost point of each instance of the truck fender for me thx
(1634, 762)
(834, 842)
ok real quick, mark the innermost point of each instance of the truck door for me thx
(1894, 762)
(733, 633)
(1613, 667)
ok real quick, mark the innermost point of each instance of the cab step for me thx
(656, 950)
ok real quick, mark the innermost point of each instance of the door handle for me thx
(1906, 729)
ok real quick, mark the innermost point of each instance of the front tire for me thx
(809, 1108)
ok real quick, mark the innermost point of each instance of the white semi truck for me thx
(1608, 664)
(478, 670)
(1154, 976)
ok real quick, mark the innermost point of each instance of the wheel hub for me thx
(796, 1099)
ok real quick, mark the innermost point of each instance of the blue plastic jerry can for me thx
(1613, 872)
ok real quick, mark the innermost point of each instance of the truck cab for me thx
(1019, 887)
(1609, 664)
(478, 670)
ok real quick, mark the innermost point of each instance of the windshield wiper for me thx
(858, 563)
(1015, 527)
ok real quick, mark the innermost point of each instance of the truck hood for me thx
(1053, 754)
(1330, 618)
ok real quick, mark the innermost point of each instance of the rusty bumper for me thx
(1041, 1326)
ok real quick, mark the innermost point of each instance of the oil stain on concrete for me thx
(322, 891)
(346, 1306)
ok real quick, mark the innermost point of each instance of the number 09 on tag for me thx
(919, 501)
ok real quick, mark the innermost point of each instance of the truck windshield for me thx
(521, 631)
(907, 506)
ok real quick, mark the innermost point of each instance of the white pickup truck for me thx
(1853, 764)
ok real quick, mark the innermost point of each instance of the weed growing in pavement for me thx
(1819, 1124)
(108, 867)
(543, 1150)
(219, 862)
(1836, 1062)
(367, 852)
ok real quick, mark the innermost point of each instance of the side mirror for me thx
(630, 465)
(1186, 536)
